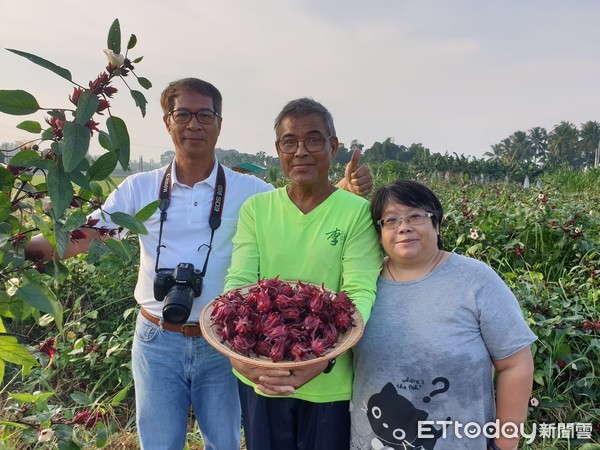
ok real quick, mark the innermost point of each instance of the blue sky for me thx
(455, 75)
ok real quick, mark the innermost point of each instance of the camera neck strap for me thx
(216, 212)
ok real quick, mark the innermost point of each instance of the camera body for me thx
(177, 287)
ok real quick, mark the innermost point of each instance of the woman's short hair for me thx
(409, 193)
(167, 98)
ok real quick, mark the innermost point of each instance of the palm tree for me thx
(590, 140)
(497, 152)
(538, 137)
(520, 147)
(563, 145)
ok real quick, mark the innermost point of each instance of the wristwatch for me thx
(330, 365)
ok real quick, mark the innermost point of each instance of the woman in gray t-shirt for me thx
(441, 324)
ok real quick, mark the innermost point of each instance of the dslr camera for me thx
(177, 287)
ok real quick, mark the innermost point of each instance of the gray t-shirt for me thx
(426, 356)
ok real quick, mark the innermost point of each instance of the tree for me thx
(538, 137)
(590, 140)
(521, 149)
(563, 145)
(167, 157)
(343, 155)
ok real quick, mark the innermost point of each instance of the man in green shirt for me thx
(313, 232)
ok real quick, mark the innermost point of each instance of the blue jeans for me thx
(172, 372)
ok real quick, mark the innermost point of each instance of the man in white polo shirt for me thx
(173, 367)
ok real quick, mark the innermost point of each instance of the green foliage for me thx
(545, 245)
(50, 191)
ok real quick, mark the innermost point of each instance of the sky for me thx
(454, 75)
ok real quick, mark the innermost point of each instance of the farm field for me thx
(543, 240)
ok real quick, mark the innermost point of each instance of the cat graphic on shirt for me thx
(395, 422)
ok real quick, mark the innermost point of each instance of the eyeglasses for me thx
(204, 116)
(312, 144)
(391, 223)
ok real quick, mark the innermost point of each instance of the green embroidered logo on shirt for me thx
(334, 236)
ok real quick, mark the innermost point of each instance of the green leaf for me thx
(137, 60)
(61, 238)
(75, 220)
(132, 42)
(5, 208)
(81, 397)
(103, 167)
(104, 141)
(146, 212)
(44, 63)
(15, 353)
(96, 251)
(58, 114)
(40, 297)
(12, 424)
(118, 248)
(60, 190)
(79, 178)
(86, 107)
(31, 126)
(18, 103)
(7, 179)
(96, 189)
(42, 225)
(129, 222)
(140, 101)
(31, 158)
(119, 397)
(114, 37)
(76, 142)
(119, 136)
(144, 82)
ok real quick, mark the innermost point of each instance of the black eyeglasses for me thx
(390, 223)
(204, 116)
(312, 144)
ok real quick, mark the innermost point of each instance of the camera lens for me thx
(178, 304)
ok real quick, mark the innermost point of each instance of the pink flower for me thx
(534, 402)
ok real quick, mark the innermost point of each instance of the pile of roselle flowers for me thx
(282, 321)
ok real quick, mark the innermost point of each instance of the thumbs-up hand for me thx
(358, 178)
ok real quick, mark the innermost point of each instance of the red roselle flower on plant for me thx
(77, 235)
(102, 106)
(92, 126)
(100, 85)
(88, 419)
(592, 326)
(57, 127)
(561, 363)
(77, 91)
(47, 347)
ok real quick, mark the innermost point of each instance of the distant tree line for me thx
(523, 153)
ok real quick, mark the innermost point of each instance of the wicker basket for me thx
(345, 341)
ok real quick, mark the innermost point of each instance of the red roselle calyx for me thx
(282, 322)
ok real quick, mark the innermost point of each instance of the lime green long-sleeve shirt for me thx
(335, 245)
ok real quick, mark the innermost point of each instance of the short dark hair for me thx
(167, 98)
(409, 193)
(303, 107)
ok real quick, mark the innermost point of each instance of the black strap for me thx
(216, 212)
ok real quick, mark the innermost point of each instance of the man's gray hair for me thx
(303, 107)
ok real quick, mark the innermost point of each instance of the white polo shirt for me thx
(186, 232)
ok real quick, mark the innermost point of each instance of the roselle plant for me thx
(50, 186)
